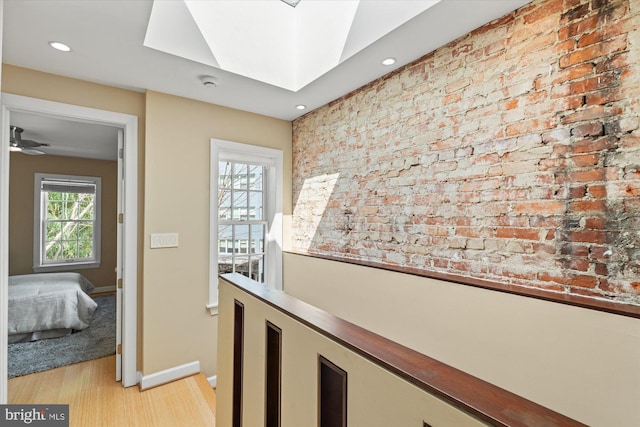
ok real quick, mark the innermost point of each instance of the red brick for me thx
(592, 84)
(578, 12)
(469, 231)
(545, 10)
(510, 104)
(586, 160)
(440, 263)
(451, 98)
(597, 191)
(587, 129)
(481, 184)
(601, 269)
(593, 52)
(535, 97)
(579, 264)
(599, 253)
(573, 73)
(577, 192)
(574, 249)
(583, 281)
(461, 49)
(588, 236)
(612, 63)
(595, 223)
(562, 49)
(578, 28)
(368, 210)
(525, 127)
(462, 221)
(591, 175)
(604, 97)
(540, 207)
(495, 47)
(518, 233)
(587, 206)
(591, 38)
(589, 145)
(550, 277)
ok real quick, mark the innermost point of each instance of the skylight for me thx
(292, 3)
(281, 46)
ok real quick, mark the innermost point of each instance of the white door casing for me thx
(129, 124)
(119, 228)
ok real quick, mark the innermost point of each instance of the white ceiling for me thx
(69, 137)
(270, 41)
(107, 39)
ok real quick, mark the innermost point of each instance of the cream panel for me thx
(376, 398)
(582, 363)
(178, 328)
(224, 379)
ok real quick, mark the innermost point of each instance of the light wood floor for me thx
(96, 399)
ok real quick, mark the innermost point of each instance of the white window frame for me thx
(272, 159)
(39, 215)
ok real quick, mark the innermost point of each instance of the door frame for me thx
(129, 124)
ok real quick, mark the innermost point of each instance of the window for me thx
(246, 214)
(66, 222)
(241, 219)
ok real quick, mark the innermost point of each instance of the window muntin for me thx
(265, 171)
(67, 221)
(241, 221)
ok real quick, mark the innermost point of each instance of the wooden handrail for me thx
(470, 394)
(612, 307)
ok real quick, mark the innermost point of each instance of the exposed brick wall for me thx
(511, 154)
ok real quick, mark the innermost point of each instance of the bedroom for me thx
(75, 150)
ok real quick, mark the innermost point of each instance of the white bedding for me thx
(48, 304)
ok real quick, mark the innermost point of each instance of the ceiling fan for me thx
(26, 146)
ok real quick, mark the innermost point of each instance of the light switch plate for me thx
(164, 240)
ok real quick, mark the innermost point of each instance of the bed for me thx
(48, 305)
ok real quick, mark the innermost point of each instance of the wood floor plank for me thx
(96, 399)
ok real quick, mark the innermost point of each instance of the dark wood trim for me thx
(332, 394)
(238, 358)
(273, 375)
(613, 307)
(486, 401)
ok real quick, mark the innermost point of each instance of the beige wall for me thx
(21, 201)
(177, 201)
(35, 84)
(582, 363)
(173, 326)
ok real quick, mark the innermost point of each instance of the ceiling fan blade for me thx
(27, 143)
(26, 146)
(32, 151)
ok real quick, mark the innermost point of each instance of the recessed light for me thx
(389, 61)
(60, 46)
(301, 107)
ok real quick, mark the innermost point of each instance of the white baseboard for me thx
(213, 381)
(103, 289)
(168, 375)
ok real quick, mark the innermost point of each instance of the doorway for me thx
(128, 164)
